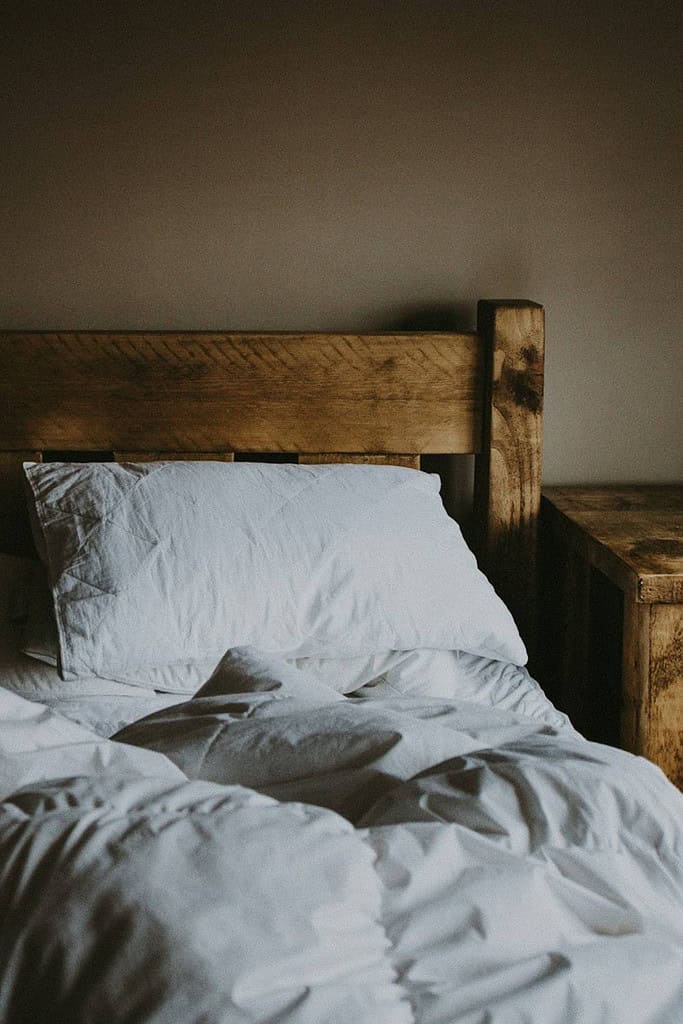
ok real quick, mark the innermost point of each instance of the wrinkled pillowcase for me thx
(158, 564)
(26, 676)
(40, 640)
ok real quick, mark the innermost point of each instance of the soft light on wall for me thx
(354, 164)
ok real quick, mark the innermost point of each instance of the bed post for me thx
(507, 479)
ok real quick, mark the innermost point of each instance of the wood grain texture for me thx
(652, 715)
(665, 734)
(374, 398)
(617, 497)
(241, 392)
(333, 458)
(629, 538)
(173, 456)
(634, 535)
(507, 484)
(635, 717)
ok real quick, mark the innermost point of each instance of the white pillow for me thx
(36, 677)
(40, 640)
(162, 563)
(34, 680)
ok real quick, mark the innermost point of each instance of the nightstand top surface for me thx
(634, 534)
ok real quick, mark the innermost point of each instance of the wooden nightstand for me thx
(612, 615)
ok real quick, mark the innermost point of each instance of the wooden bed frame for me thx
(380, 398)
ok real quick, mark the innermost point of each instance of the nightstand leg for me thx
(652, 714)
(636, 677)
(665, 742)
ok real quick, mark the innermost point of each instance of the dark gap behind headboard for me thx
(64, 456)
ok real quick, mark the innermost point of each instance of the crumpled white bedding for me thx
(477, 865)
(106, 706)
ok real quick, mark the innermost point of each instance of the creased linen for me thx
(528, 875)
(134, 896)
(427, 861)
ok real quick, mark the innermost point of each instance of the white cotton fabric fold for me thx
(527, 874)
(538, 881)
(133, 897)
(453, 675)
(106, 714)
(159, 564)
(37, 743)
(487, 867)
(480, 932)
(25, 675)
(40, 640)
(29, 651)
(337, 753)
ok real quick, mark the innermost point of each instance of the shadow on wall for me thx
(438, 316)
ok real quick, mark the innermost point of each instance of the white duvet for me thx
(280, 853)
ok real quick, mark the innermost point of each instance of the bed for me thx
(334, 791)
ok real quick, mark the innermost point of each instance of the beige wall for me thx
(355, 165)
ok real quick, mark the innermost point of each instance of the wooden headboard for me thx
(379, 398)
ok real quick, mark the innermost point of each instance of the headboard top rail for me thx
(248, 392)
